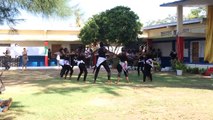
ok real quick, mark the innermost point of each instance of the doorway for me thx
(55, 48)
(195, 52)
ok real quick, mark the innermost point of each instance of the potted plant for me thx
(179, 67)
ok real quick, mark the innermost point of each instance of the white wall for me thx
(17, 51)
(164, 47)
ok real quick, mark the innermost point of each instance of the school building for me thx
(37, 41)
(191, 39)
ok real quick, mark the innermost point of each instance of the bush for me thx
(179, 65)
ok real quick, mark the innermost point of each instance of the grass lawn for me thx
(42, 95)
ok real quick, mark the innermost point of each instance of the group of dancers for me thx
(69, 59)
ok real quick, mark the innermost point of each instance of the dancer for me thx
(81, 63)
(147, 67)
(141, 59)
(61, 61)
(102, 61)
(122, 65)
(67, 67)
(72, 57)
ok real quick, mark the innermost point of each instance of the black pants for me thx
(62, 71)
(65, 70)
(147, 73)
(139, 67)
(106, 66)
(120, 69)
(82, 68)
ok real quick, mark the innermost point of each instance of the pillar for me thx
(46, 53)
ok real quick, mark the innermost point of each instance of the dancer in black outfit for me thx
(141, 57)
(81, 63)
(61, 61)
(102, 61)
(147, 68)
(72, 57)
(122, 65)
(67, 65)
(141, 62)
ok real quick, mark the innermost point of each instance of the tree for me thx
(10, 9)
(118, 26)
(199, 12)
(89, 32)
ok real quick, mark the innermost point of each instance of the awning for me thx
(188, 3)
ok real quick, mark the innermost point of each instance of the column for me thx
(46, 53)
(180, 39)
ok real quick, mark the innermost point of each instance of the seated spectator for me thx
(5, 104)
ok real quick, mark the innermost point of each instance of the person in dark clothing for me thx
(122, 65)
(141, 63)
(102, 61)
(173, 55)
(148, 64)
(81, 63)
(72, 57)
(61, 61)
(159, 53)
(141, 57)
(67, 67)
(7, 59)
(49, 56)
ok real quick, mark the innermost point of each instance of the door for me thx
(55, 48)
(195, 52)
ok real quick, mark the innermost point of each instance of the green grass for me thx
(42, 95)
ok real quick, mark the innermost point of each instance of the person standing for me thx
(7, 59)
(147, 68)
(67, 67)
(122, 65)
(24, 59)
(88, 55)
(49, 56)
(81, 63)
(61, 61)
(173, 55)
(141, 56)
(102, 61)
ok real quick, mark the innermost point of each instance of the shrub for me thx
(179, 65)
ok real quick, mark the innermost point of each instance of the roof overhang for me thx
(188, 3)
(172, 38)
(172, 24)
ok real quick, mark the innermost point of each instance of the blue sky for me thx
(147, 10)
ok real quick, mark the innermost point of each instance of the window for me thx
(166, 33)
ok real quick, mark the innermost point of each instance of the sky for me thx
(147, 10)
